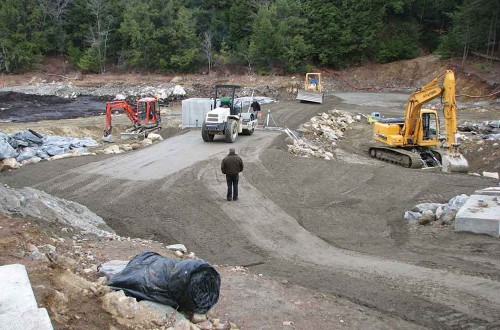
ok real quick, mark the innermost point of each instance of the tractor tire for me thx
(205, 135)
(231, 132)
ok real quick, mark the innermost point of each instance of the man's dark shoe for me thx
(229, 199)
(235, 199)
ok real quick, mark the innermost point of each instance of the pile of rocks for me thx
(489, 129)
(321, 133)
(436, 213)
(118, 149)
(30, 147)
(144, 314)
(164, 91)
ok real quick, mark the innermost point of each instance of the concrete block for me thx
(16, 294)
(31, 319)
(480, 214)
(492, 191)
(18, 307)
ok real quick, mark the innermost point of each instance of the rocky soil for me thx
(63, 246)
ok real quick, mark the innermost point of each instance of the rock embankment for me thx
(64, 246)
(38, 204)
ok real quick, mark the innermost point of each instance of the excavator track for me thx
(403, 157)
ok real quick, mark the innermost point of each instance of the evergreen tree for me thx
(183, 40)
(475, 27)
(263, 50)
(277, 38)
(22, 40)
(161, 35)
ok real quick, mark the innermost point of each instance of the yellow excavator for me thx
(411, 141)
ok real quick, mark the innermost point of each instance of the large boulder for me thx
(140, 315)
(38, 204)
(9, 164)
(412, 216)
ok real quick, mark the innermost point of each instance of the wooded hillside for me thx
(262, 36)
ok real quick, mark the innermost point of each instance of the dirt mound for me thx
(476, 77)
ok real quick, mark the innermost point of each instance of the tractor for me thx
(227, 117)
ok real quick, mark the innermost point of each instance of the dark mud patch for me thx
(24, 108)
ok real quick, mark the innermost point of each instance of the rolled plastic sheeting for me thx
(191, 285)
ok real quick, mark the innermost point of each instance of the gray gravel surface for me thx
(332, 226)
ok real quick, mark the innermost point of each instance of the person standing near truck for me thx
(231, 166)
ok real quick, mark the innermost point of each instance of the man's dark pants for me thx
(232, 186)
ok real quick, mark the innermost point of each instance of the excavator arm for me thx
(450, 111)
(129, 111)
(426, 94)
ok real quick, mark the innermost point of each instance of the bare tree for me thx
(54, 9)
(249, 69)
(206, 45)
(4, 62)
(492, 33)
(100, 30)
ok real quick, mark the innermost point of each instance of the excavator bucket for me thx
(108, 138)
(454, 163)
(310, 96)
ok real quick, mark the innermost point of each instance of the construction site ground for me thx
(323, 243)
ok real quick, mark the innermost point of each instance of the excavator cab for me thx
(430, 128)
(147, 110)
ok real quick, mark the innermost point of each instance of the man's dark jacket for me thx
(232, 164)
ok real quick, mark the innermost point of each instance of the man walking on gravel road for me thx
(231, 166)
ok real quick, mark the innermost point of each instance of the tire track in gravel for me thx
(272, 229)
(190, 208)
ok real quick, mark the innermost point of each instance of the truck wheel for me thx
(231, 132)
(205, 135)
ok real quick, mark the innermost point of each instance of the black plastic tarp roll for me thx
(191, 285)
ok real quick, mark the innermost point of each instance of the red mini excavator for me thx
(145, 117)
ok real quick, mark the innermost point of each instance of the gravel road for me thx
(331, 226)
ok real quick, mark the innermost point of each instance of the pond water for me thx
(19, 107)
